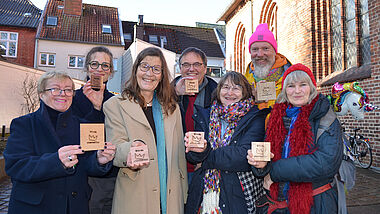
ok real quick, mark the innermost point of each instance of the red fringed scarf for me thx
(300, 197)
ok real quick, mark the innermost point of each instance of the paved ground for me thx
(364, 198)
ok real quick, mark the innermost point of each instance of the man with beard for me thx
(267, 65)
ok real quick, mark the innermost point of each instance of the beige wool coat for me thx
(138, 192)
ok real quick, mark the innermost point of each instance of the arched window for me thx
(239, 49)
(269, 16)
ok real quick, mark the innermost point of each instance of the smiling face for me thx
(101, 58)
(59, 102)
(263, 57)
(230, 93)
(197, 68)
(147, 80)
(298, 93)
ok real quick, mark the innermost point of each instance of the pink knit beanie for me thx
(262, 34)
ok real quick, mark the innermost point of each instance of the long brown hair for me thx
(165, 91)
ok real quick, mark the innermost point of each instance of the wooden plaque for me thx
(92, 136)
(191, 86)
(196, 139)
(139, 154)
(266, 91)
(96, 82)
(261, 151)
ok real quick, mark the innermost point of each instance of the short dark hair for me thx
(95, 50)
(237, 79)
(196, 51)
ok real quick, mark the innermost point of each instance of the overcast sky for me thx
(174, 12)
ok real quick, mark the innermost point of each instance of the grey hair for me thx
(297, 76)
(41, 86)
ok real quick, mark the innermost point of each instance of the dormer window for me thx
(164, 40)
(52, 20)
(153, 39)
(128, 36)
(106, 29)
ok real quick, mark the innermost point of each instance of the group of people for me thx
(52, 174)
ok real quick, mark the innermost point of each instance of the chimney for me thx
(73, 7)
(141, 19)
(140, 28)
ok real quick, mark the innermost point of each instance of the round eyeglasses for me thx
(196, 65)
(145, 67)
(57, 91)
(95, 65)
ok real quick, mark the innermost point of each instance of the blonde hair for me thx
(41, 86)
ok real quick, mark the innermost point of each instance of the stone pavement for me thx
(364, 198)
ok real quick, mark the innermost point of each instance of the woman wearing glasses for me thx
(224, 183)
(87, 104)
(146, 113)
(48, 168)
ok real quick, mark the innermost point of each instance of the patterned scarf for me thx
(300, 197)
(230, 114)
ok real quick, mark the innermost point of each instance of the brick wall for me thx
(25, 45)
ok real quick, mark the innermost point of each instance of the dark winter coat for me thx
(318, 167)
(201, 112)
(229, 160)
(40, 182)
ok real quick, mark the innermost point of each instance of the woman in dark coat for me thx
(217, 186)
(304, 163)
(47, 166)
(88, 104)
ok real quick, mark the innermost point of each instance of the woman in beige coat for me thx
(147, 113)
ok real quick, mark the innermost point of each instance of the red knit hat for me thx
(299, 67)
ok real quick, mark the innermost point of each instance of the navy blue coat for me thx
(319, 167)
(229, 160)
(40, 182)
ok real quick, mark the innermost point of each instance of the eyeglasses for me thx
(57, 91)
(145, 67)
(235, 89)
(95, 65)
(196, 65)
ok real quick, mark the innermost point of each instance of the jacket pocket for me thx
(28, 195)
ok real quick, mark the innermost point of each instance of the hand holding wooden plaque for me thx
(266, 91)
(139, 154)
(261, 151)
(96, 82)
(196, 139)
(92, 136)
(191, 86)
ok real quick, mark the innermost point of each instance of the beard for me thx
(262, 71)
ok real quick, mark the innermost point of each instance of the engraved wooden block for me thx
(191, 86)
(261, 151)
(92, 136)
(196, 139)
(96, 82)
(266, 91)
(139, 154)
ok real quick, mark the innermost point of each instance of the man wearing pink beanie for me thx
(266, 65)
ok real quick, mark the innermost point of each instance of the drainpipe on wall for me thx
(35, 53)
(251, 17)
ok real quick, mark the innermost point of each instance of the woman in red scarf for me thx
(304, 165)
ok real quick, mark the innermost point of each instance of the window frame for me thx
(106, 26)
(47, 59)
(52, 18)
(8, 40)
(151, 39)
(76, 61)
